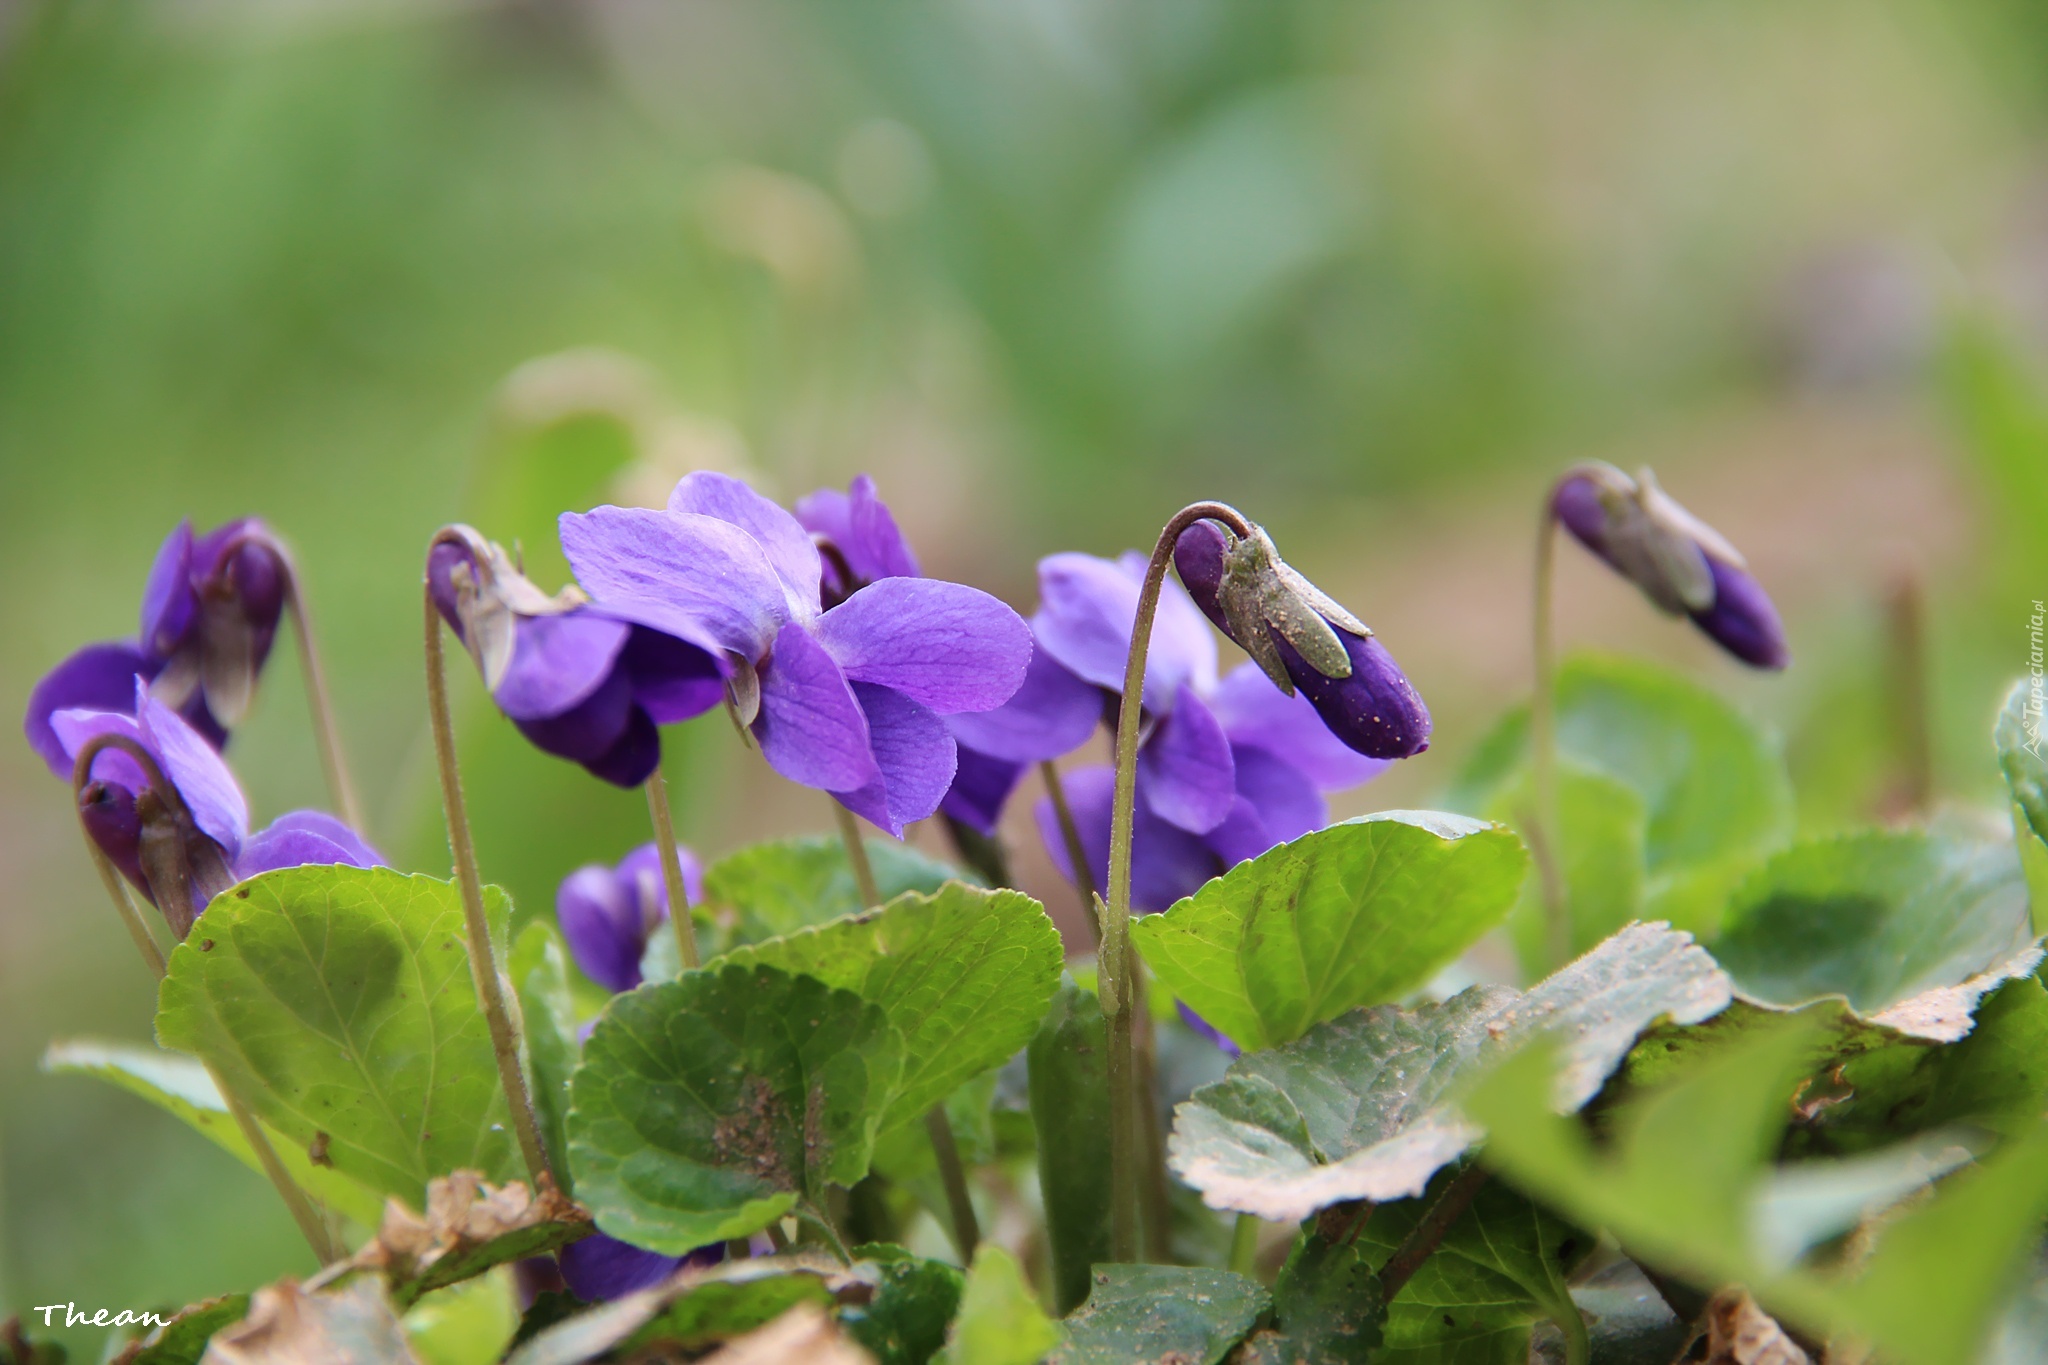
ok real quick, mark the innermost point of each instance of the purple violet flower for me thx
(578, 682)
(850, 699)
(598, 1268)
(1227, 768)
(136, 831)
(608, 914)
(1281, 620)
(210, 609)
(857, 537)
(1684, 566)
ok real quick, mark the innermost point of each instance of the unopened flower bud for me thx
(1684, 566)
(1303, 639)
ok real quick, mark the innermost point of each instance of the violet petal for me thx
(810, 727)
(210, 791)
(914, 755)
(695, 577)
(168, 603)
(303, 838)
(1049, 716)
(1185, 766)
(948, 646)
(598, 1268)
(981, 787)
(1288, 803)
(1167, 863)
(1743, 620)
(1376, 710)
(588, 730)
(96, 678)
(781, 536)
(672, 679)
(557, 662)
(603, 927)
(1086, 610)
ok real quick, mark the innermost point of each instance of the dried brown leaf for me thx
(470, 1226)
(1740, 1333)
(291, 1325)
(804, 1335)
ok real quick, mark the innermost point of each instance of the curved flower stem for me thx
(672, 869)
(822, 1221)
(1546, 843)
(1114, 961)
(1077, 852)
(953, 1175)
(483, 964)
(857, 858)
(1244, 1244)
(311, 1227)
(939, 1128)
(325, 730)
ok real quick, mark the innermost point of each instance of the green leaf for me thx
(467, 1323)
(180, 1086)
(1070, 1110)
(338, 1001)
(1602, 825)
(540, 974)
(1328, 1302)
(1360, 1107)
(182, 1340)
(2019, 738)
(709, 1106)
(964, 974)
(1502, 1267)
(1355, 914)
(1000, 1322)
(1160, 1312)
(775, 888)
(1679, 1186)
(905, 1322)
(1714, 789)
(1910, 928)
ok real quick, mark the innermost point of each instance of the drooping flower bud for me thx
(608, 914)
(1303, 640)
(580, 682)
(210, 611)
(1684, 566)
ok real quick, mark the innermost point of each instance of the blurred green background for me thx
(1048, 269)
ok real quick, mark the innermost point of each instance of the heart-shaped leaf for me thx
(1360, 1107)
(337, 1003)
(1911, 928)
(1355, 914)
(999, 1322)
(785, 885)
(905, 1322)
(709, 1106)
(964, 975)
(1162, 1312)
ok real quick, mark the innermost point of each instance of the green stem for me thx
(1545, 840)
(819, 1219)
(483, 964)
(1113, 961)
(679, 916)
(953, 1175)
(1244, 1244)
(1906, 612)
(857, 857)
(1077, 852)
(1427, 1235)
(325, 730)
(1578, 1342)
(311, 1227)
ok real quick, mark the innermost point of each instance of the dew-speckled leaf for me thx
(1070, 1111)
(1503, 1266)
(179, 1085)
(338, 1001)
(963, 974)
(1356, 914)
(1911, 928)
(708, 1106)
(1714, 787)
(1328, 1304)
(787, 884)
(1187, 1314)
(540, 974)
(1360, 1107)
(905, 1322)
(999, 1322)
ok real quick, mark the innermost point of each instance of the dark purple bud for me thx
(1267, 609)
(108, 814)
(599, 1268)
(209, 614)
(1684, 566)
(608, 914)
